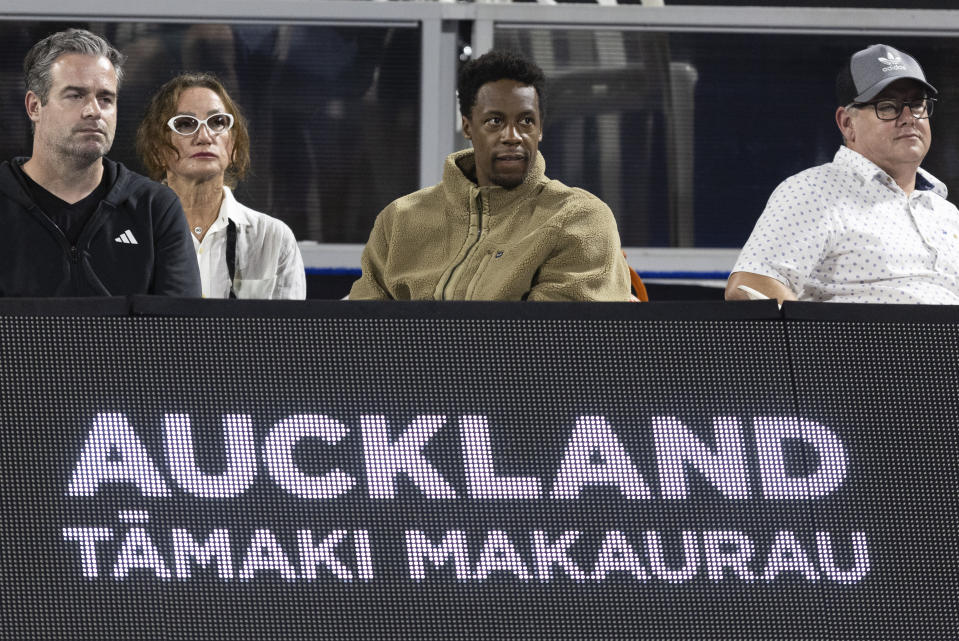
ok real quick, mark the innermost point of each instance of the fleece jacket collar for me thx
(459, 177)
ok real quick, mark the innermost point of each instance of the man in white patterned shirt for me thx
(871, 226)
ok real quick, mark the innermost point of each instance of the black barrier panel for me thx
(439, 471)
(94, 306)
(890, 388)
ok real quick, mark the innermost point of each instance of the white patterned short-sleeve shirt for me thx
(846, 232)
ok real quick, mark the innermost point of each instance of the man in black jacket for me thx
(75, 223)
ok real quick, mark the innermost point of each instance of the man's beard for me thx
(509, 181)
(85, 153)
(83, 150)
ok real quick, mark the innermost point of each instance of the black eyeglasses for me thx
(891, 109)
(189, 125)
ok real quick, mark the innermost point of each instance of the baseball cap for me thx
(871, 70)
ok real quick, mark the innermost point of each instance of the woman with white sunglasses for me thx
(194, 138)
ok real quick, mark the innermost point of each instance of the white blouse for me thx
(268, 261)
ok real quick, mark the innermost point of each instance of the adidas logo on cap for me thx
(892, 61)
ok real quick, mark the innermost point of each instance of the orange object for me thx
(639, 290)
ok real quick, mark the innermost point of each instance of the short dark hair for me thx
(36, 66)
(498, 65)
(154, 136)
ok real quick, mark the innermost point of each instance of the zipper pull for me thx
(74, 257)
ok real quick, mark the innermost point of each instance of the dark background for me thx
(334, 115)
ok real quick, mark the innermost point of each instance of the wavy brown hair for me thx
(153, 135)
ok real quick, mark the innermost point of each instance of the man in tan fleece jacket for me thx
(496, 228)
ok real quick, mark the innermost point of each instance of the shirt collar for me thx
(230, 209)
(927, 182)
(869, 170)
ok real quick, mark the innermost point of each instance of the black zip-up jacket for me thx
(136, 242)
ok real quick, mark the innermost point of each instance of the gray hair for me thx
(40, 58)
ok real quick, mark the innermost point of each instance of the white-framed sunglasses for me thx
(189, 125)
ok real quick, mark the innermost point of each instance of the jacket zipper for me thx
(469, 251)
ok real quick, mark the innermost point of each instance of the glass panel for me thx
(861, 4)
(331, 109)
(685, 135)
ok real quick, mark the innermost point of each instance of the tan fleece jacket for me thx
(458, 241)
